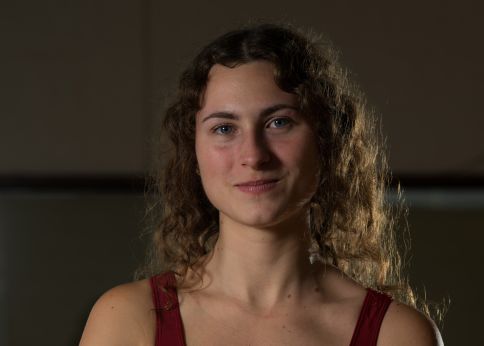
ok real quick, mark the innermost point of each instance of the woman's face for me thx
(256, 153)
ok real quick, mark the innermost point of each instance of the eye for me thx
(280, 122)
(227, 129)
(223, 129)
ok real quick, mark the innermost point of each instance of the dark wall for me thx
(74, 87)
(83, 80)
(60, 251)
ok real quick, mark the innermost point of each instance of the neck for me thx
(262, 268)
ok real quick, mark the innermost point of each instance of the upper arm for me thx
(405, 326)
(121, 316)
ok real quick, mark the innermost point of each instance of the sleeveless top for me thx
(169, 327)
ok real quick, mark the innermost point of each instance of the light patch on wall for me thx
(437, 199)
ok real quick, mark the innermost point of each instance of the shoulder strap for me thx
(371, 317)
(169, 330)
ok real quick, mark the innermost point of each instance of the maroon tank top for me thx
(169, 327)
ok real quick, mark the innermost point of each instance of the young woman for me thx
(273, 228)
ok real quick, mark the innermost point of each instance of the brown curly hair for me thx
(351, 222)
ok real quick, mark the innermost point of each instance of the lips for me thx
(257, 182)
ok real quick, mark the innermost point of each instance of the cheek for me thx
(301, 158)
(213, 161)
(299, 153)
(215, 165)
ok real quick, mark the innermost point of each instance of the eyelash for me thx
(288, 120)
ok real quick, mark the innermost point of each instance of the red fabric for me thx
(371, 316)
(169, 328)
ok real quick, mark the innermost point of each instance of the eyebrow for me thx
(264, 113)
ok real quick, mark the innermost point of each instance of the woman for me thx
(273, 154)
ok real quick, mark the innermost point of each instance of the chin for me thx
(260, 218)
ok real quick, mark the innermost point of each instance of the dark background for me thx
(82, 83)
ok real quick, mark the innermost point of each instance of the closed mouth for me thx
(258, 182)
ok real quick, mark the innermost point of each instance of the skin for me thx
(257, 144)
(259, 287)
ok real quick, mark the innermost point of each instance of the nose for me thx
(254, 151)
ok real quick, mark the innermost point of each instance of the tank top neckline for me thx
(373, 309)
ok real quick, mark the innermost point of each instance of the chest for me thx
(216, 325)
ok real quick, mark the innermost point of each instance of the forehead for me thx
(247, 84)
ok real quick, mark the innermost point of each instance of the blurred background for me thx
(82, 85)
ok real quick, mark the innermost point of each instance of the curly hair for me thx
(352, 225)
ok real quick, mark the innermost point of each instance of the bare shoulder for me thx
(339, 286)
(124, 315)
(404, 325)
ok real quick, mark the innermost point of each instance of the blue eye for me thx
(280, 122)
(227, 129)
(223, 129)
